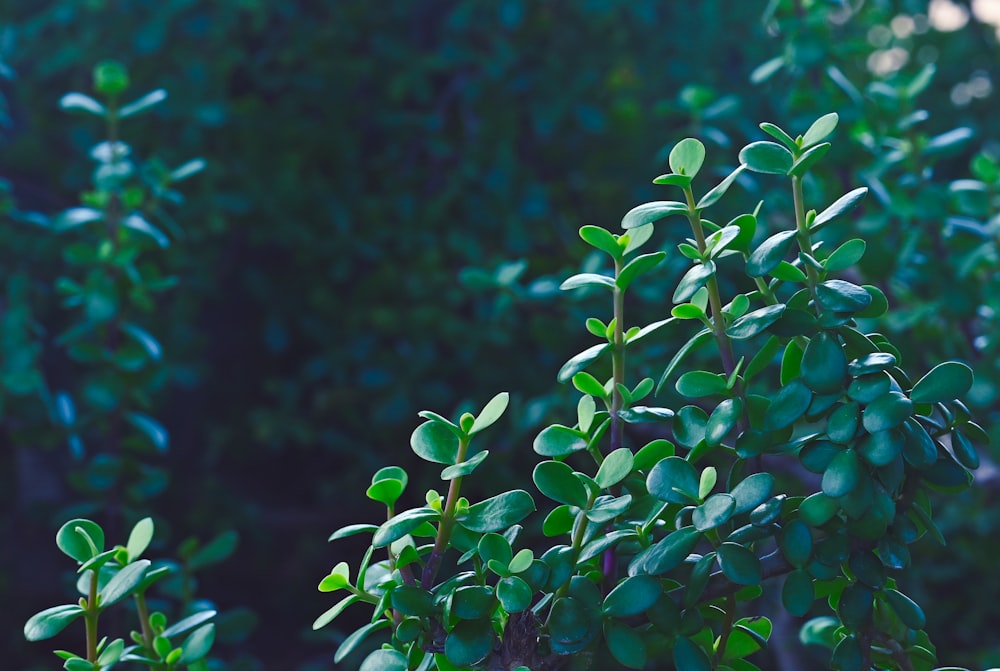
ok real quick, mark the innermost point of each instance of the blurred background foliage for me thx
(392, 199)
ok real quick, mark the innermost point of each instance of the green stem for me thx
(142, 609)
(727, 628)
(90, 618)
(722, 340)
(447, 522)
(803, 236)
(618, 364)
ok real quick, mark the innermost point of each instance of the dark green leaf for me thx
(384, 660)
(671, 551)
(845, 256)
(965, 452)
(841, 296)
(632, 596)
(699, 383)
(625, 645)
(871, 363)
(690, 425)
(790, 403)
(855, 606)
(640, 414)
(769, 254)
(638, 266)
(817, 509)
(795, 541)
(694, 342)
(464, 468)
(824, 365)
(695, 278)
(359, 635)
(216, 550)
(842, 475)
(723, 419)
(435, 442)
(688, 656)
(798, 594)
(752, 491)
(556, 480)
(558, 441)
(473, 602)
(719, 190)
(841, 206)
(847, 656)
(331, 614)
(514, 594)
(402, 524)
(123, 583)
(739, 564)
(766, 157)
(650, 212)
(881, 447)
(469, 642)
(587, 280)
(714, 512)
(580, 361)
(908, 611)
(499, 512)
(673, 479)
(80, 539)
(197, 644)
(944, 382)
(568, 621)
(754, 323)
(887, 412)
(50, 621)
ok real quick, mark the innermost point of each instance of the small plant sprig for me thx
(109, 577)
(110, 290)
(660, 550)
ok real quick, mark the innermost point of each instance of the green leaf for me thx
(882, 447)
(588, 384)
(845, 256)
(51, 621)
(795, 541)
(754, 323)
(798, 593)
(123, 583)
(136, 222)
(402, 524)
(187, 169)
(699, 383)
(188, 623)
(887, 412)
(719, 190)
(689, 427)
(215, 551)
(769, 254)
(820, 129)
(581, 360)
(855, 606)
(558, 441)
(83, 103)
(715, 512)
(690, 657)
(499, 512)
(671, 551)
(766, 157)
(779, 135)
(650, 212)
(752, 491)
(695, 278)
(673, 479)
(872, 363)
(722, 420)
(906, 608)
(786, 272)
(673, 180)
(587, 280)
(491, 413)
(739, 564)
(632, 596)
(824, 365)
(840, 207)
(412, 600)
(687, 157)
(385, 491)
(790, 403)
(842, 475)
(693, 343)
(142, 104)
(841, 296)
(808, 159)
(944, 382)
(638, 266)
(639, 414)
(514, 594)
(339, 578)
(464, 468)
(637, 237)
(197, 645)
(356, 638)
(151, 428)
(556, 480)
(625, 645)
(947, 141)
(435, 442)
(602, 239)
(139, 538)
(749, 635)
(817, 509)
(615, 467)
(384, 660)
(80, 539)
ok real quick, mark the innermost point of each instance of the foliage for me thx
(656, 558)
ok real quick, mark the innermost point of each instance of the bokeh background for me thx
(391, 200)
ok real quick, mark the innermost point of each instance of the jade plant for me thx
(112, 576)
(806, 457)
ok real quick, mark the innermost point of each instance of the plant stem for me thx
(618, 364)
(447, 522)
(142, 610)
(90, 618)
(803, 237)
(714, 298)
(727, 627)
